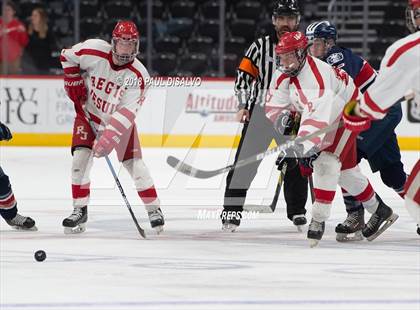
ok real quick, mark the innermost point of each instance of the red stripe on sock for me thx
(366, 194)
(80, 191)
(9, 202)
(148, 195)
(324, 196)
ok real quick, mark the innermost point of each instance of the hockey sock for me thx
(143, 182)
(8, 205)
(82, 163)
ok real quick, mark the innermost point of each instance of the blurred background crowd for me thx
(187, 38)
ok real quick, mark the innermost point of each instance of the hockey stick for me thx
(311, 188)
(205, 174)
(117, 181)
(272, 206)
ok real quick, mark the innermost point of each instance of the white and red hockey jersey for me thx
(319, 93)
(399, 75)
(115, 93)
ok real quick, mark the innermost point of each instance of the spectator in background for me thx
(37, 57)
(13, 39)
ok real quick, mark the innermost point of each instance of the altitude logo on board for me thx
(223, 108)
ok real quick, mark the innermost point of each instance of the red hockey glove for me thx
(76, 90)
(106, 143)
(352, 120)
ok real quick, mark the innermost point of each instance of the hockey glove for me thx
(5, 133)
(354, 121)
(76, 90)
(291, 156)
(106, 143)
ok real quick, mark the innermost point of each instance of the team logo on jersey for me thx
(334, 58)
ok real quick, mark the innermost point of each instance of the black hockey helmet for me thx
(286, 8)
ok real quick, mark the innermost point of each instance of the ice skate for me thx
(379, 221)
(156, 220)
(351, 228)
(76, 222)
(20, 222)
(418, 230)
(230, 225)
(299, 221)
(230, 220)
(315, 232)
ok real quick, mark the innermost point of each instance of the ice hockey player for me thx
(319, 92)
(378, 145)
(8, 204)
(103, 96)
(399, 77)
(253, 78)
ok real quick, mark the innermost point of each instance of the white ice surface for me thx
(266, 264)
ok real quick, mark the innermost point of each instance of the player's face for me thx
(318, 48)
(125, 47)
(284, 24)
(289, 61)
(417, 16)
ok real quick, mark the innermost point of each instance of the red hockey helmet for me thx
(412, 13)
(291, 41)
(125, 32)
(295, 44)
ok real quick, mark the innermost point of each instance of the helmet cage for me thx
(410, 17)
(301, 59)
(124, 58)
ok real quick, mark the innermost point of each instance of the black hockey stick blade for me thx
(258, 208)
(205, 174)
(272, 206)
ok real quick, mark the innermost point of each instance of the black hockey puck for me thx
(40, 256)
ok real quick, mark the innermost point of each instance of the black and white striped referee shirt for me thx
(255, 72)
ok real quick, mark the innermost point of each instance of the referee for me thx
(252, 82)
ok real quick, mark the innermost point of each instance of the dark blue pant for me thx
(379, 146)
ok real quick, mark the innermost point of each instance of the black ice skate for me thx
(418, 230)
(156, 220)
(351, 228)
(20, 222)
(315, 232)
(379, 221)
(230, 220)
(299, 221)
(76, 222)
